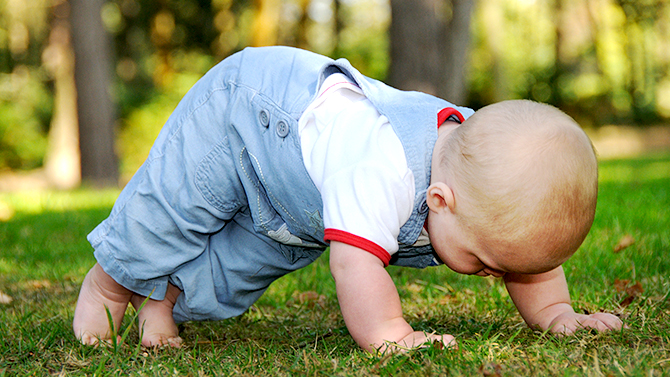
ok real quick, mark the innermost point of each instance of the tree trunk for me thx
(455, 52)
(62, 160)
(429, 47)
(92, 49)
(415, 45)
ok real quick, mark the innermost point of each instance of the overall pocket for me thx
(217, 180)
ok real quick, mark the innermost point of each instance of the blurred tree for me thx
(162, 49)
(429, 43)
(490, 73)
(62, 160)
(601, 60)
(641, 18)
(455, 51)
(416, 33)
(25, 102)
(301, 37)
(93, 59)
(266, 22)
(362, 35)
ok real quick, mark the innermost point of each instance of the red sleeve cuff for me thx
(447, 112)
(359, 242)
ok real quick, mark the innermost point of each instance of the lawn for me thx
(296, 328)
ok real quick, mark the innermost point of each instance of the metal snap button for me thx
(423, 208)
(264, 118)
(282, 128)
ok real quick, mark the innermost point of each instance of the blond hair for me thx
(524, 176)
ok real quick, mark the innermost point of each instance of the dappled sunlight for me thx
(35, 202)
(644, 171)
(613, 142)
(7, 266)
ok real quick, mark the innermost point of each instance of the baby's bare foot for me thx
(157, 326)
(98, 291)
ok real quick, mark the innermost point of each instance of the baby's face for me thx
(462, 251)
(465, 253)
(472, 262)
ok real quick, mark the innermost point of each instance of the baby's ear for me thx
(440, 197)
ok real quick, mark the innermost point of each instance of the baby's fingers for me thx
(596, 324)
(599, 322)
(609, 321)
(568, 324)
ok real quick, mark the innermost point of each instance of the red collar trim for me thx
(446, 113)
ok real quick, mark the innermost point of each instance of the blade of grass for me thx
(511, 339)
(112, 330)
(101, 366)
(137, 313)
(660, 304)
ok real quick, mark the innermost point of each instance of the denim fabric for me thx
(223, 205)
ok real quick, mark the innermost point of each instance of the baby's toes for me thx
(89, 339)
(174, 342)
(162, 340)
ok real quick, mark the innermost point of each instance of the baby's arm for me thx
(543, 301)
(370, 303)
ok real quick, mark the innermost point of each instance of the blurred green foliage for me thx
(163, 49)
(25, 95)
(25, 109)
(603, 61)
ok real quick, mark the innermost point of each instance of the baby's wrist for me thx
(386, 335)
(552, 315)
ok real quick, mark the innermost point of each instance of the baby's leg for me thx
(157, 326)
(98, 291)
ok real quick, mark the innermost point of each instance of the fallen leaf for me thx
(490, 369)
(626, 301)
(5, 299)
(624, 285)
(624, 242)
(632, 291)
(310, 298)
(620, 285)
(635, 289)
(39, 284)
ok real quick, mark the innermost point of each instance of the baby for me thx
(278, 153)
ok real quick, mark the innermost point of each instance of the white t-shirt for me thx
(359, 166)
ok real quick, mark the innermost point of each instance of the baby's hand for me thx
(419, 339)
(569, 322)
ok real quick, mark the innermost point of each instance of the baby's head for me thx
(522, 178)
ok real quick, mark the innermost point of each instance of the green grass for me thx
(44, 257)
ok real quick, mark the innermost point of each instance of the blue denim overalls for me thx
(223, 205)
